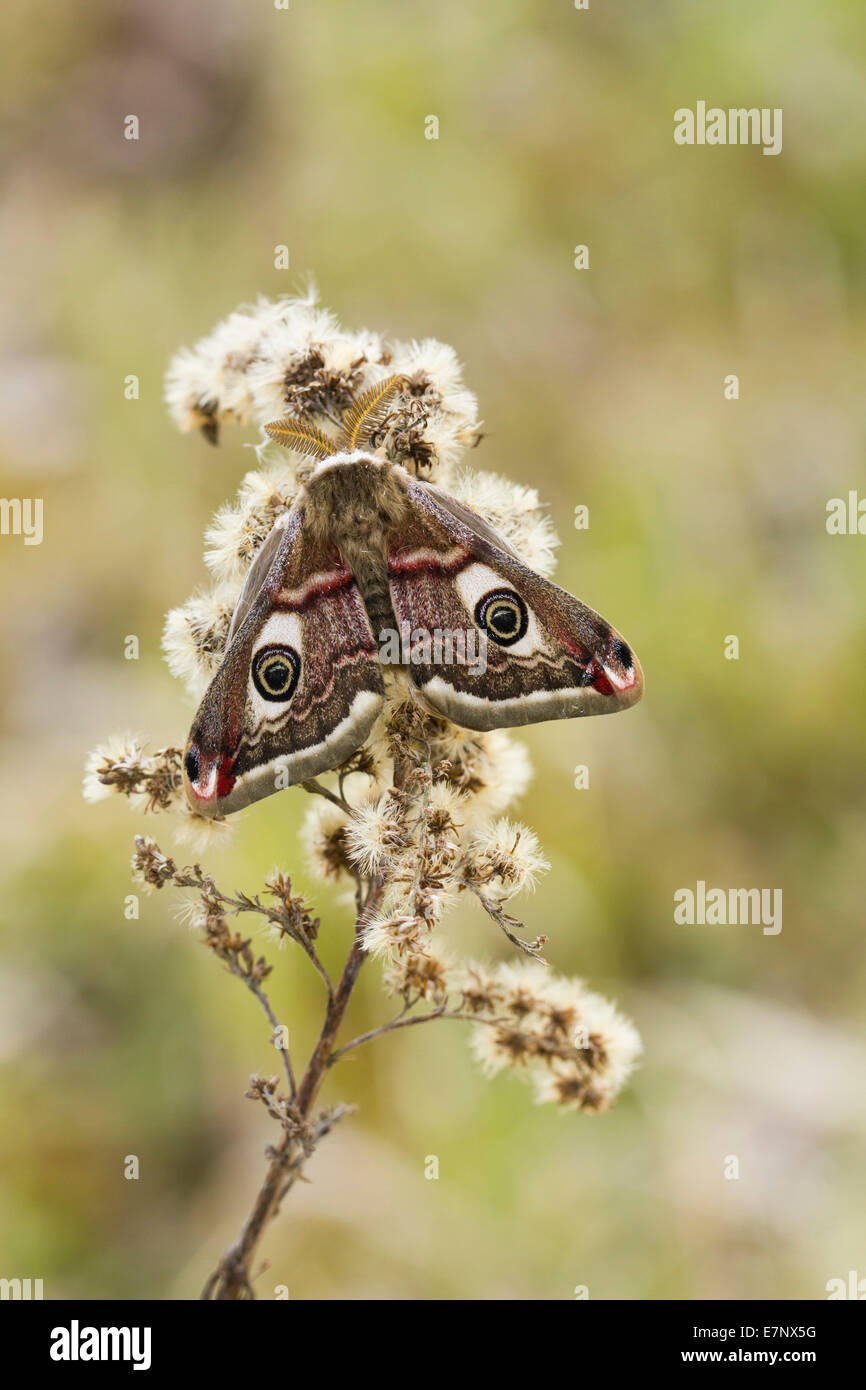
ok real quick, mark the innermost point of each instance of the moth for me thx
(365, 549)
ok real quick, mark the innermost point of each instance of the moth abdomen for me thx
(377, 601)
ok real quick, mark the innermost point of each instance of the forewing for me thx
(546, 654)
(300, 684)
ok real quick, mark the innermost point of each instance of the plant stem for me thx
(231, 1279)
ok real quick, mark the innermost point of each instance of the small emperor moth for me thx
(366, 547)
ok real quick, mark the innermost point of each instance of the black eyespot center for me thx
(503, 615)
(505, 618)
(622, 652)
(276, 675)
(192, 764)
(275, 672)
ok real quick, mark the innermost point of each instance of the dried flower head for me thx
(122, 766)
(324, 838)
(503, 859)
(574, 1046)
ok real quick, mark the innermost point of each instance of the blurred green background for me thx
(707, 518)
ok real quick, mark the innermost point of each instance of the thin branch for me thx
(543, 1042)
(245, 904)
(231, 1280)
(276, 1028)
(233, 906)
(399, 1022)
(238, 959)
(507, 923)
(316, 789)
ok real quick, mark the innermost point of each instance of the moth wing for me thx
(256, 576)
(479, 525)
(300, 684)
(531, 651)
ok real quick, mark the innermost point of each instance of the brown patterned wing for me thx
(300, 685)
(491, 643)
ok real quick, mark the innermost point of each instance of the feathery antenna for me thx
(366, 412)
(359, 421)
(304, 438)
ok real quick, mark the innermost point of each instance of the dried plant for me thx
(418, 816)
